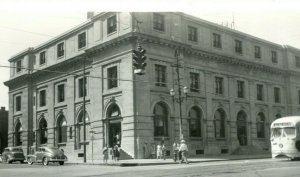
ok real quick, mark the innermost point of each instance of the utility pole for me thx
(84, 123)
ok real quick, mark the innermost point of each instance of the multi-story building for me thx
(237, 85)
(3, 128)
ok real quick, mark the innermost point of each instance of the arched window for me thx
(43, 131)
(18, 134)
(61, 129)
(260, 125)
(219, 121)
(80, 128)
(113, 111)
(114, 125)
(195, 122)
(160, 120)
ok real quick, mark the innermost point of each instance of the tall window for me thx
(18, 134)
(42, 58)
(219, 85)
(194, 86)
(61, 93)
(61, 129)
(277, 95)
(160, 75)
(82, 87)
(299, 97)
(238, 46)
(112, 80)
(297, 61)
(18, 103)
(111, 24)
(219, 121)
(217, 40)
(60, 50)
(195, 122)
(81, 40)
(19, 66)
(192, 34)
(42, 98)
(43, 131)
(80, 128)
(259, 92)
(240, 89)
(274, 57)
(160, 120)
(158, 22)
(260, 125)
(257, 53)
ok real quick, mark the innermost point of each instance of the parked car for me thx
(12, 154)
(45, 155)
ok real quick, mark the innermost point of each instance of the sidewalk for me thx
(145, 162)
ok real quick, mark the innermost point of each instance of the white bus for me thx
(285, 137)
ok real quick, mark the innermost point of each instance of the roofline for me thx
(21, 54)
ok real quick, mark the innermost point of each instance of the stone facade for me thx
(123, 110)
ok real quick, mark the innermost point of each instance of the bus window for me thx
(290, 131)
(276, 132)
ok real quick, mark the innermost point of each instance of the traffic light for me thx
(139, 59)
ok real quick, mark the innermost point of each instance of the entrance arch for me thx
(242, 128)
(18, 134)
(43, 131)
(114, 127)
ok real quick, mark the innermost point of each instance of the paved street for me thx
(245, 168)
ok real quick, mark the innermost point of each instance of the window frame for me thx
(158, 22)
(217, 41)
(259, 88)
(111, 28)
(219, 85)
(42, 58)
(297, 61)
(257, 52)
(82, 92)
(240, 89)
(160, 75)
(192, 34)
(238, 46)
(42, 98)
(194, 82)
(81, 40)
(18, 104)
(277, 95)
(19, 66)
(112, 77)
(274, 56)
(60, 50)
(60, 96)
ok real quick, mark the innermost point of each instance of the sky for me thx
(29, 23)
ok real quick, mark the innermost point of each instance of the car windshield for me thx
(289, 131)
(17, 150)
(276, 132)
(56, 150)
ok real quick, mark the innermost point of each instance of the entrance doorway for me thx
(114, 134)
(242, 128)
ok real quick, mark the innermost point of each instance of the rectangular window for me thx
(240, 89)
(274, 57)
(42, 58)
(257, 53)
(259, 89)
(60, 50)
(299, 97)
(192, 34)
(160, 75)
(81, 40)
(112, 80)
(297, 61)
(219, 85)
(61, 93)
(277, 95)
(238, 46)
(158, 22)
(82, 87)
(18, 103)
(112, 24)
(217, 40)
(19, 66)
(194, 86)
(42, 98)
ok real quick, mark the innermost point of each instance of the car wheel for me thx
(29, 161)
(21, 161)
(45, 161)
(8, 160)
(61, 163)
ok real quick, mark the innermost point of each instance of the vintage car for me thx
(12, 154)
(45, 155)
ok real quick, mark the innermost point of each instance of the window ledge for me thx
(111, 33)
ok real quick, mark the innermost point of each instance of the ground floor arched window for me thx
(160, 120)
(18, 134)
(260, 125)
(195, 122)
(80, 128)
(61, 129)
(219, 122)
(43, 128)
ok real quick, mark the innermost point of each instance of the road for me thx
(244, 168)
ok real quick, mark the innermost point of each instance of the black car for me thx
(12, 154)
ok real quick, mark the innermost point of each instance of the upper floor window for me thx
(160, 75)
(82, 87)
(18, 103)
(42, 58)
(257, 52)
(274, 57)
(19, 66)
(111, 24)
(259, 90)
(238, 46)
(217, 40)
(81, 40)
(219, 85)
(277, 95)
(61, 93)
(240, 89)
(112, 80)
(194, 86)
(158, 22)
(42, 98)
(60, 50)
(192, 34)
(297, 60)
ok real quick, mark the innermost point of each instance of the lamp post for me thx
(180, 98)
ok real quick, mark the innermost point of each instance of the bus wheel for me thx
(298, 145)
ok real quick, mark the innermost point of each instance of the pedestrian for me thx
(179, 152)
(164, 149)
(184, 150)
(158, 151)
(175, 151)
(105, 154)
(116, 152)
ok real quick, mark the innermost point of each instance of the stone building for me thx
(236, 84)
(3, 128)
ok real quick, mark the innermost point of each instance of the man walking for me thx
(184, 150)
